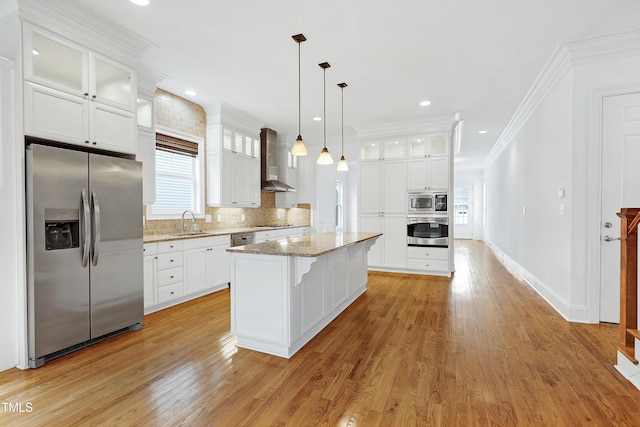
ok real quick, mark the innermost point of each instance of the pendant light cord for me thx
(324, 109)
(342, 93)
(299, 90)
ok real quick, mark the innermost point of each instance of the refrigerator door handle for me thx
(87, 229)
(96, 224)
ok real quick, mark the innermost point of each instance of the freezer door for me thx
(58, 284)
(115, 186)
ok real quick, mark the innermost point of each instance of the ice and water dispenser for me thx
(61, 228)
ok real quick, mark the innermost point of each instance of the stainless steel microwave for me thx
(427, 202)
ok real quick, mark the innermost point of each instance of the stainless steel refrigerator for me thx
(84, 244)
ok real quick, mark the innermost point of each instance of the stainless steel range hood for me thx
(269, 162)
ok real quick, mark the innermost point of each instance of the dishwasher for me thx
(241, 239)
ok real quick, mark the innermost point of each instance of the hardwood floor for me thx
(479, 349)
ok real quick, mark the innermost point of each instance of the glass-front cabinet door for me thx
(395, 148)
(370, 151)
(54, 62)
(111, 82)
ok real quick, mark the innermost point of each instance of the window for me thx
(461, 205)
(339, 206)
(178, 177)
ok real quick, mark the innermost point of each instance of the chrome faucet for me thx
(193, 222)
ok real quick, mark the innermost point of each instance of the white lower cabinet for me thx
(206, 263)
(170, 271)
(427, 258)
(390, 250)
(150, 272)
(179, 270)
(268, 235)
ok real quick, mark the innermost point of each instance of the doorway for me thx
(463, 211)
(620, 184)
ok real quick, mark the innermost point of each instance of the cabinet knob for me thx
(94, 97)
(170, 260)
(94, 143)
(86, 142)
(172, 292)
(171, 277)
(86, 94)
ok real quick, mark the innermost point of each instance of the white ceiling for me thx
(477, 58)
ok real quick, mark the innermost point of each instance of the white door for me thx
(620, 178)
(462, 211)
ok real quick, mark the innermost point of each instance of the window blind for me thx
(176, 145)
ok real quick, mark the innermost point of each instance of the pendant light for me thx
(342, 164)
(324, 158)
(298, 147)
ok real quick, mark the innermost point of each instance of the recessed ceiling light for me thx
(190, 92)
(482, 131)
(317, 119)
(140, 2)
(425, 103)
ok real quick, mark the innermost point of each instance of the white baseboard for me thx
(571, 313)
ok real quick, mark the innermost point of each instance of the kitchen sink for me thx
(191, 233)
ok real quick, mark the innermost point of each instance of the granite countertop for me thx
(311, 245)
(211, 233)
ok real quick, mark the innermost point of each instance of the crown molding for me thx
(226, 114)
(148, 80)
(73, 20)
(431, 124)
(563, 59)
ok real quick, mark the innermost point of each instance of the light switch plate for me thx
(207, 218)
(218, 218)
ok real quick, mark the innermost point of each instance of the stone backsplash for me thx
(266, 214)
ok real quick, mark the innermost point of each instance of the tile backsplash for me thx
(179, 114)
(266, 214)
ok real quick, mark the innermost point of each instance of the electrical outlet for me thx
(207, 218)
(218, 218)
(524, 210)
(243, 218)
(561, 208)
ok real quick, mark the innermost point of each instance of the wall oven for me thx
(428, 231)
(421, 202)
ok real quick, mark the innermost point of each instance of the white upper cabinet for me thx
(55, 62)
(385, 150)
(233, 167)
(77, 96)
(435, 145)
(58, 63)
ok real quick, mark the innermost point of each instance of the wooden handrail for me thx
(629, 219)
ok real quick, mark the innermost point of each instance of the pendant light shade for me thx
(342, 164)
(298, 147)
(324, 158)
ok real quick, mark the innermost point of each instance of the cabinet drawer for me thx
(172, 275)
(172, 246)
(167, 293)
(169, 260)
(422, 252)
(425, 264)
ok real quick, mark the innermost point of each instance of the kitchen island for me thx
(284, 292)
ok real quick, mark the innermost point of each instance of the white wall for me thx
(477, 180)
(9, 262)
(553, 149)
(527, 175)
